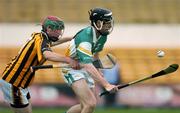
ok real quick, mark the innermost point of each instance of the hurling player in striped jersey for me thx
(17, 77)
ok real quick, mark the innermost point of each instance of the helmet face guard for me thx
(102, 20)
(54, 35)
(54, 27)
(106, 27)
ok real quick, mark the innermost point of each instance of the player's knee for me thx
(90, 105)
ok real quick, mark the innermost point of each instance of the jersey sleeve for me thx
(45, 46)
(42, 45)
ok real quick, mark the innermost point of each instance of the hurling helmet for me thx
(103, 15)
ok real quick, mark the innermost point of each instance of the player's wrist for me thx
(67, 60)
(106, 85)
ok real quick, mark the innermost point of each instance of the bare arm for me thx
(97, 76)
(52, 56)
(62, 40)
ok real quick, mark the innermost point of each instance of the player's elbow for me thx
(47, 55)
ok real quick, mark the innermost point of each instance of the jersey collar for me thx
(95, 39)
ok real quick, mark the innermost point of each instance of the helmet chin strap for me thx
(98, 29)
(101, 24)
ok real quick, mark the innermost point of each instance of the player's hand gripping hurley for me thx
(172, 68)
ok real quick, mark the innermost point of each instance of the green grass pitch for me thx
(103, 110)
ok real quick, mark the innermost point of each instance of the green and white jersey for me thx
(85, 44)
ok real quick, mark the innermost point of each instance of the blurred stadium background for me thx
(142, 27)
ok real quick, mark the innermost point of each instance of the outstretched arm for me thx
(52, 56)
(97, 76)
(62, 40)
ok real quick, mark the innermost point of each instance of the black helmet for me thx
(103, 15)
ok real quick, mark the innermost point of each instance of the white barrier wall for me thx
(125, 35)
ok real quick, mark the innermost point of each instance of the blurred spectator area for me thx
(125, 11)
(134, 64)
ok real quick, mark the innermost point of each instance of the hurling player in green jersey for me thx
(85, 46)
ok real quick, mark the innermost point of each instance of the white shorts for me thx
(71, 76)
(16, 97)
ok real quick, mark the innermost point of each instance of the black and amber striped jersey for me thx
(18, 71)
